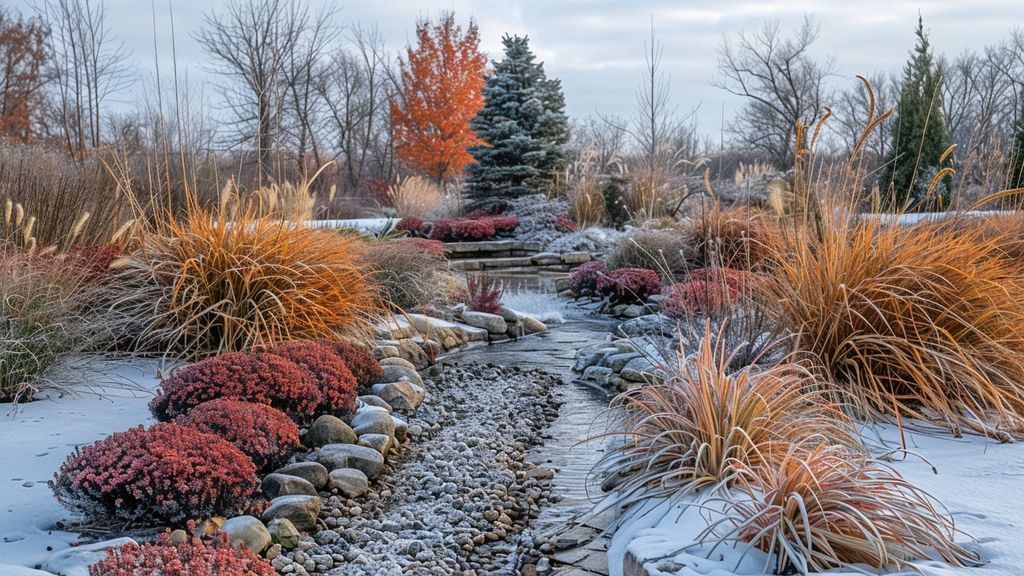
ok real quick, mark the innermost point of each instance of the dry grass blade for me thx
(697, 428)
(923, 320)
(825, 507)
(416, 196)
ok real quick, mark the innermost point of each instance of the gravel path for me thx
(455, 496)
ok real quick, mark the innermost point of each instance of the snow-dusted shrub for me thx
(359, 360)
(337, 385)
(660, 250)
(165, 473)
(585, 276)
(409, 272)
(629, 284)
(262, 432)
(193, 557)
(250, 376)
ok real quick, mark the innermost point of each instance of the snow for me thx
(543, 306)
(38, 436)
(368, 225)
(978, 480)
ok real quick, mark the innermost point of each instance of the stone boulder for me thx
(328, 429)
(349, 482)
(247, 532)
(367, 460)
(393, 373)
(301, 511)
(403, 395)
(493, 323)
(75, 561)
(275, 485)
(312, 472)
(371, 420)
(379, 442)
(283, 532)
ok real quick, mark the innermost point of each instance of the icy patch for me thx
(546, 307)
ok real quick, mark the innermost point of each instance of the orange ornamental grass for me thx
(705, 422)
(824, 507)
(921, 321)
(212, 282)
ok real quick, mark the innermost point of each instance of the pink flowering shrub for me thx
(564, 224)
(261, 432)
(190, 558)
(360, 362)
(167, 473)
(629, 284)
(250, 376)
(337, 385)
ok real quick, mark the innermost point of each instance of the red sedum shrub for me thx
(164, 474)
(629, 284)
(585, 276)
(337, 385)
(565, 224)
(359, 360)
(409, 224)
(708, 291)
(262, 432)
(190, 558)
(250, 376)
(503, 224)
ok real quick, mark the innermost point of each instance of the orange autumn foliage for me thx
(442, 81)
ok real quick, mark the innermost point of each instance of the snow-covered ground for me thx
(543, 306)
(980, 482)
(368, 225)
(36, 437)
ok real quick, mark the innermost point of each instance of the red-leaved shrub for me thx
(164, 474)
(250, 376)
(629, 284)
(585, 276)
(93, 261)
(336, 383)
(424, 245)
(708, 291)
(482, 294)
(262, 432)
(190, 558)
(359, 361)
(503, 224)
(410, 224)
(564, 223)
(462, 230)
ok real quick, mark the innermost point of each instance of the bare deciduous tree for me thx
(89, 65)
(252, 42)
(784, 86)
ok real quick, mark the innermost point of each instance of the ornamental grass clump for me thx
(917, 321)
(824, 507)
(258, 377)
(261, 432)
(167, 473)
(705, 422)
(230, 279)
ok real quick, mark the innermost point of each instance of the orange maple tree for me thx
(442, 79)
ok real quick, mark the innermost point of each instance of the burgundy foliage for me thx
(629, 284)
(262, 432)
(585, 276)
(335, 381)
(190, 558)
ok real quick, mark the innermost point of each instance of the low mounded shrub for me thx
(193, 557)
(564, 224)
(249, 376)
(629, 284)
(709, 292)
(262, 432)
(337, 385)
(661, 250)
(410, 272)
(482, 227)
(360, 362)
(410, 225)
(167, 473)
(584, 277)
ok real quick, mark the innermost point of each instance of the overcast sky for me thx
(597, 46)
